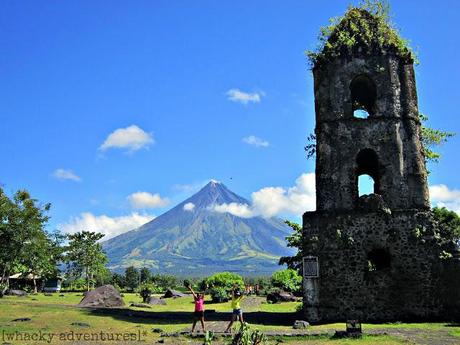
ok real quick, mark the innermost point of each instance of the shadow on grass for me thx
(137, 316)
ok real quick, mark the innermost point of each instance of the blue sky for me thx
(196, 89)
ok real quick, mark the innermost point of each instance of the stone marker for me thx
(105, 296)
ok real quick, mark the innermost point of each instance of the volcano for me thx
(194, 239)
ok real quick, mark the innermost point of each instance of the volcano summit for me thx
(197, 238)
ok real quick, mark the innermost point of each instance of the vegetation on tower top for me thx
(363, 30)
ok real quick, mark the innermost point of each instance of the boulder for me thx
(140, 305)
(156, 301)
(173, 294)
(105, 296)
(281, 296)
(300, 324)
(19, 293)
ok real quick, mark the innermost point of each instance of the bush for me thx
(225, 280)
(287, 280)
(146, 290)
(219, 295)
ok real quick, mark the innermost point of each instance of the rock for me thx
(156, 301)
(48, 294)
(300, 324)
(19, 293)
(22, 319)
(173, 293)
(281, 296)
(105, 296)
(157, 330)
(80, 324)
(373, 202)
(161, 341)
(140, 305)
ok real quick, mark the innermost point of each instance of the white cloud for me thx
(147, 200)
(442, 196)
(110, 226)
(239, 210)
(190, 206)
(274, 201)
(236, 95)
(63, 174)
(132, 138)
(255, 141)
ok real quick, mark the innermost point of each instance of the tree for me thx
(23, 240)
(225, 280)
(132, 278)
(146, 275)
(294, 240)
(165, 281)
(85, 255)
(118, 280)
(43, 255)
(432, 138)
(287, 280)
(449, 228)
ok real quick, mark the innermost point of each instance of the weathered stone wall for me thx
(380, 258)
(392, 131)
(406, 288)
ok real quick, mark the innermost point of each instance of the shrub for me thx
(219, 295)
(146, 290)
(287, 280)
(225, 280)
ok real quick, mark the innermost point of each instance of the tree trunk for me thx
(35, 283)
(87, 279)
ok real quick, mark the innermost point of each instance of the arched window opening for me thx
(368, 173)
(366, 185)
(378, 259)
(363, 96)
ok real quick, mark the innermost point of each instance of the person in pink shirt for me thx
(199, 309)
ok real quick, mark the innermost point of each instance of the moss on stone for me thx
(363, 30)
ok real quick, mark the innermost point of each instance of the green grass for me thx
(56, 314)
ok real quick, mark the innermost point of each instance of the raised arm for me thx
(193, 292)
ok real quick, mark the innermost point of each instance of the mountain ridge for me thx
(192, 238)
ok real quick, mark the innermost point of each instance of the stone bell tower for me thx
(369, 257)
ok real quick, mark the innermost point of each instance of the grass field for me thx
(58, 316)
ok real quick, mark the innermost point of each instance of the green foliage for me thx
(187, 283)
(226, 280)
(293, 241)
(310, 148)
(208, 337)
(146, 290)
(449, 228)
(247, 336)
(85, 255)
(430, 138)
(118, 280)
(366, 27)
(219, 294)
(25, 247)
(165, 281)
(146, 275)
(287, 280)
(132, 278)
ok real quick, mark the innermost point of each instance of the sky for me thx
(116, 111)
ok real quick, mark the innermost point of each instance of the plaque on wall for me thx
(310, 267)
